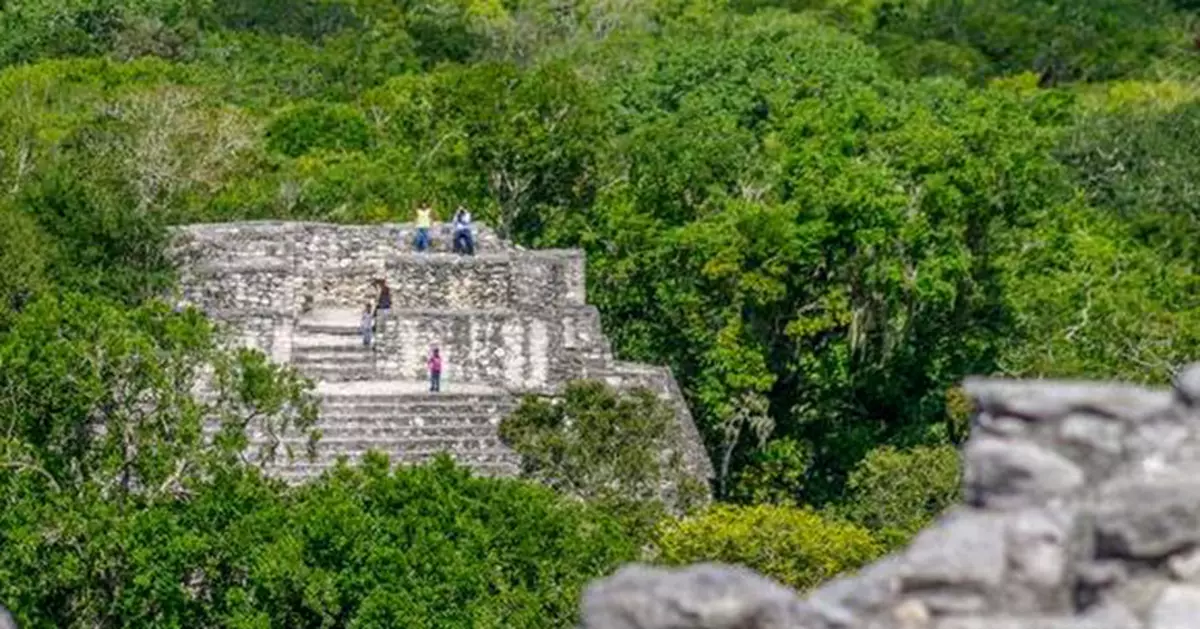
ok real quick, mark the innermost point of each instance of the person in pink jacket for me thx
(435, 371)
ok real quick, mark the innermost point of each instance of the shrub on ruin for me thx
(619, 449)
(796, 546)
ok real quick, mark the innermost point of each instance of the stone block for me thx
(1148, 517)
(1177, 608)
(1014, 473)
(965, 550)
(1049, 400)
(700, 597)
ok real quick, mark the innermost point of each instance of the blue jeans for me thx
(463, 242)
(422, 238)
(435, 381)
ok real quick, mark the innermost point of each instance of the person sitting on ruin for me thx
(383, 306)
(464, 242)
(424, 223)
(367, 327)
(435, 371)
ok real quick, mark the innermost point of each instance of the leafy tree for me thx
(300, 130)
(422, 547)
(614, 448)
(1140, 165)
(519, 146)
(21, 257)
(776, 474)
(97, 397)
(1060, 40)
(896, 493)
(102, 242)
(795, 546)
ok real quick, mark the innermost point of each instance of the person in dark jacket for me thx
(383, 306)
(464, 240)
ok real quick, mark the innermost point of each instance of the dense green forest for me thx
(821, 214)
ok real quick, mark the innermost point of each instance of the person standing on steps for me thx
(383, 307)
(424, 222)
(463, 240)
(367, 326)
(435, 371)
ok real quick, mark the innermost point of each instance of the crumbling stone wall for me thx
(285, 268)
(506, 319)
(1082, 512)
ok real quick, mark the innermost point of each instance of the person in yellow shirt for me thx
(424, 222)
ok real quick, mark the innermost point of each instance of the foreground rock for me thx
(1083, 512)
(6, 619)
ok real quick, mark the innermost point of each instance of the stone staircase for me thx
(508, 322)
(408, 425)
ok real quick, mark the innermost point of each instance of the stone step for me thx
(482, 426)
(340, 374)
(415, 390)
(389, 432)
(413, 403)
(445, 399)
(334, 355)
(328, 456)
(330, 328)
(318, 342)
(302, 472)
(413, 417)
(416, 443)
(428, 414)
(322, 365)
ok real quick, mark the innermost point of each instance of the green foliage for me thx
(1142, 167)
(72, 364)
(423, 547)
(895, 493)
(617, 449)
(795, 546)
(317, 126)
(776, 474)
(1060, 40)
(33, 29)
(306, 19)
(520, 147)
(22, 261)
(821, 214)
(103, 243)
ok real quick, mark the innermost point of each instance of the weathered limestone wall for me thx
(286, 268)
(497, 347)
(1083, 512)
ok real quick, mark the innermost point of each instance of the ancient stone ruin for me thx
(1082, 512)
(507, 321)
